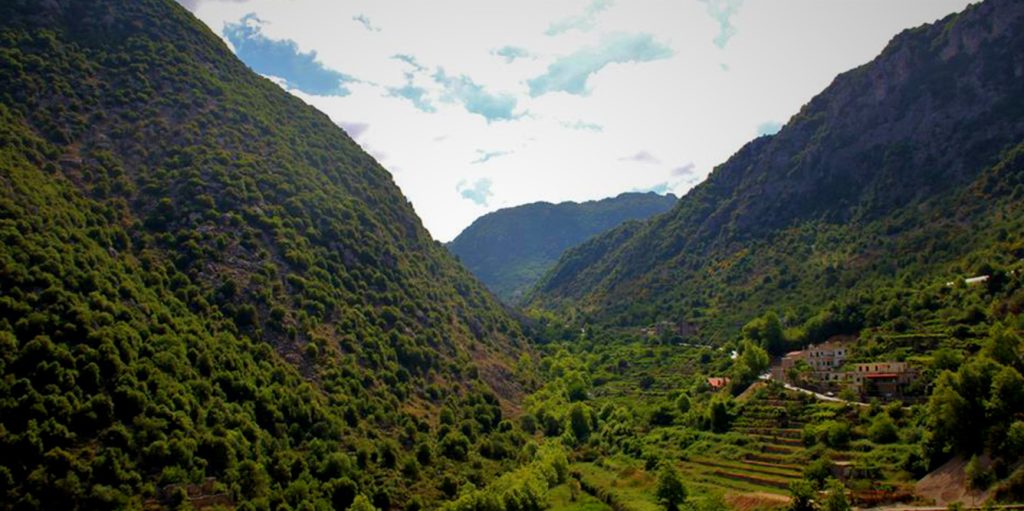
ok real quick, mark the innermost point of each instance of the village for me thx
(825, 368)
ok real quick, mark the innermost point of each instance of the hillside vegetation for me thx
(212, 298)
(631, 404)
(907, 167)
(860, 219)
(209, 291)
(509, 250)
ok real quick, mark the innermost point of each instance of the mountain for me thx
(510, 249)
(904, 168)
(209, 292)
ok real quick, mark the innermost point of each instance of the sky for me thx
(477, 105)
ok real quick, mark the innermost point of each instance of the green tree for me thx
(767, 332)
(253, 479)
(683, 403)
(883, 429)
(361, 503)
(818, 471)
(455, 446)
(946, 359)
(342, 492)
(1013, 445)
(576, 387)
(579, 421)
(837, 433)
(946, 407)
(1007, 398)
(663, 415)
(671, 492)
(835, 497)
(802, 496)
(978, 476)
(719, 414)
(754, 357)
(753, 360)
(1005, 346)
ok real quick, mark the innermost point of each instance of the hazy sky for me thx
(475, 105)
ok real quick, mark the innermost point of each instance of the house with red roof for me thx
(718, 382)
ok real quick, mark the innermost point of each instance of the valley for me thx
(213, 298)
(511, 249)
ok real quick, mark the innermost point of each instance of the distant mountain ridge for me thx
(510, 249)
(888, 172)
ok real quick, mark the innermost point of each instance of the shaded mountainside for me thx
(898, 168)
(509, 250)
(203, 277)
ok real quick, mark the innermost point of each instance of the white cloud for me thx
(478, 193)
(511, 53)
(571, 72)
(365, 22)
(684, 170)
(722, 12)
(561, 145)
(583, 22)
(641, 157)
(486, 156)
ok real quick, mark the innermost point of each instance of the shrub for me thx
(835, 499)
(1013, 445)
(818, 471)
(455, 446)
(361, 503)
(671, 492)
(683, 404)
(978, 476)
(883, 429)
(662, 415)
(802, 496)
(579, 421)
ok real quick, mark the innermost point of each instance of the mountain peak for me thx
(886, 144)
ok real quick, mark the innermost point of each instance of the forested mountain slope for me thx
(510, 249)
(203, 277)
(907, 166)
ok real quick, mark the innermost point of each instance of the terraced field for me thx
(752, 463)
(618, 483)
(773, 455)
